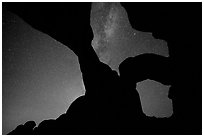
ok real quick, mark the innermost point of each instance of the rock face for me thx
(111, 104)
(26, 129)
(114, 109)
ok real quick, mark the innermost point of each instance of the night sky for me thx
(115, 39)
(41, 77)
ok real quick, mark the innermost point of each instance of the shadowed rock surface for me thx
(114, 108)
(111, 104)
(26, 129)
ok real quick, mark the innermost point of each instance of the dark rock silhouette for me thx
(111, 104)
(147, 66)
(26, 129)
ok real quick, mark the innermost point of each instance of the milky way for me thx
(115, 40)
(36, 67)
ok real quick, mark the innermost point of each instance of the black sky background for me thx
(180, 25)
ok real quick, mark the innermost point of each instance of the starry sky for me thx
(41, 77)
(115, 39)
